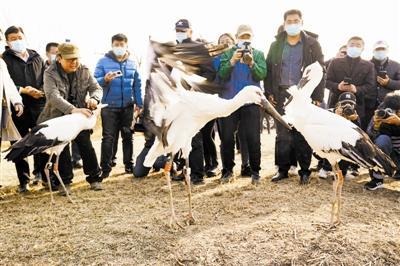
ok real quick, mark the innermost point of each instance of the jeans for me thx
(115, 120)
(384, 142)
(140, 170)
(247, 120)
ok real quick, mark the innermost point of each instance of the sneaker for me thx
(63, 192)
(279, 176)
(374, 184)
(323, 174)
(354, 172)
(305, 179)
(96, 186)
(212, 172)
(293, 170)
(396, 175)
(246, 171)
(255, 179)
(77, 164)
(227, 177)
(23, 188)
(128, 169)
(197, 181)
(36, 180)
(178, 177)
(105, 175)
(349, 176)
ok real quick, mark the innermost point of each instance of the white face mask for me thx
(53, 57)
(180, 36)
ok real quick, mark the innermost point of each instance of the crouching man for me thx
(384, 129)
(70, 88)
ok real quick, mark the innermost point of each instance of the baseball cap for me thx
(244, 29)
(381, 44)
(182, 24)
(68, 51)
(347, 97)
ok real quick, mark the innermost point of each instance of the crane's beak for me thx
(269, 108)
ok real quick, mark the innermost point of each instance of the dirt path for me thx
(237, 224)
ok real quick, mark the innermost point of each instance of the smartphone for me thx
(347, 80)
(382, 74)
(118, 73)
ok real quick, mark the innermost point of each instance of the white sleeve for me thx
(9, 86)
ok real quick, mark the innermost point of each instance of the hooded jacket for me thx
(122, 91)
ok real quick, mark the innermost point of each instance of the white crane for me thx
(51, 137)
(332, 136)
(174, 115)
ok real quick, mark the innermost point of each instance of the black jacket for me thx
(363, 76)
(28, 73)
(393, 71)
(311, 52)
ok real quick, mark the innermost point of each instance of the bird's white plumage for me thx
(189, 112)
(324, 131)
(67, 127)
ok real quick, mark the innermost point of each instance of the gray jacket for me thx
(62, 97)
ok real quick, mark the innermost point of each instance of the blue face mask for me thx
(380, 55)
(18, 46)
(293, 29)
(354, 52)
(119, 51)
(180, 36)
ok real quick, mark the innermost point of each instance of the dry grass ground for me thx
(237, 224)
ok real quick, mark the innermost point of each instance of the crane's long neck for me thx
(230, 106)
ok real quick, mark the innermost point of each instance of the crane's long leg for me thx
(57, 173)
(190, 219)
(47, 173)
(337, 196)
(167, 171)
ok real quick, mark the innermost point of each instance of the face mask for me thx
(119, 51)
(53, 57)
(180, 36)
(354, 52)
(18, 46)
(293, 29)
(380, 55)
(240, 43)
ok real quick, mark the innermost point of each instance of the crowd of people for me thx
(36, 90)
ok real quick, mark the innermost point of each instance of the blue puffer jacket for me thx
(121, 91)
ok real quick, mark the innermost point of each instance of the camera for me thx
(382, 73)
(246, 53)
(384, 113)
(347, 80)
(348, 109)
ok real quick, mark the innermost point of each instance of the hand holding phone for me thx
(117, 73)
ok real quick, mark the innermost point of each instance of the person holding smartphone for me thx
(119, 77)
(387, 70)
(355, 75)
